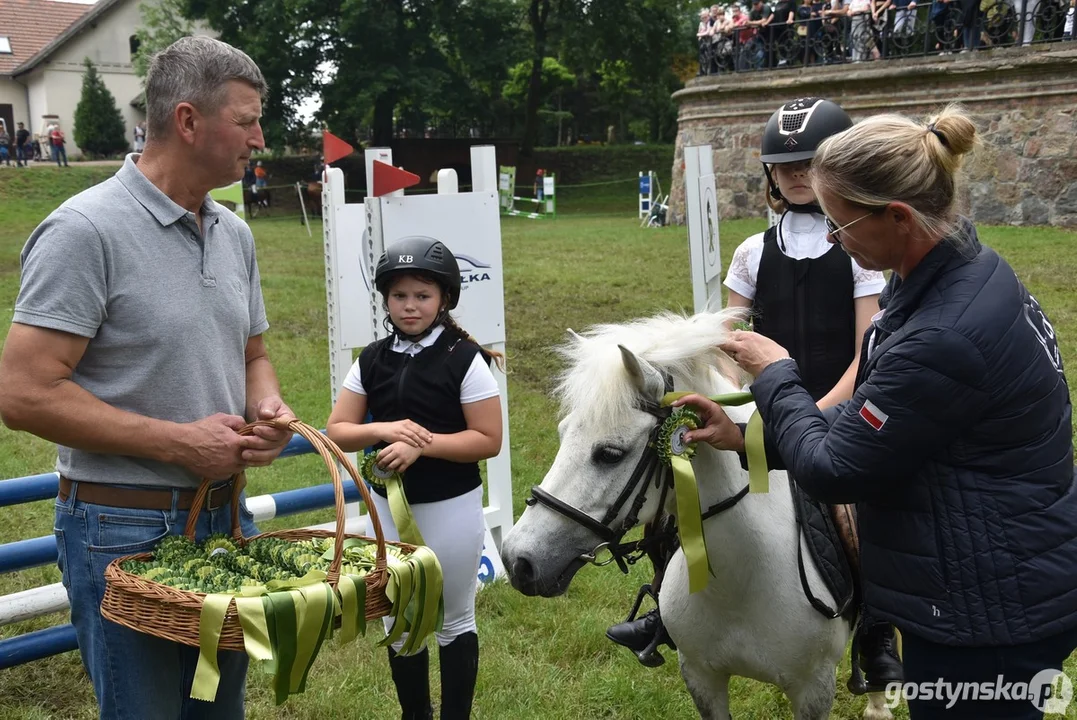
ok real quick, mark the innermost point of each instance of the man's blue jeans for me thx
(135, 675)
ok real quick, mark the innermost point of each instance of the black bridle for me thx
(650, 469)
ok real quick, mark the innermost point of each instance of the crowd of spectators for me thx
(763, 35)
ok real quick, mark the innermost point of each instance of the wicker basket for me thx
(173, 614)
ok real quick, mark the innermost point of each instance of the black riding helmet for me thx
(795, 131)
(420, 255)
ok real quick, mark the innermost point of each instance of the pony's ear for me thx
(575, 335)
(647, 380)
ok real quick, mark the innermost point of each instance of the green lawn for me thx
(540, 658)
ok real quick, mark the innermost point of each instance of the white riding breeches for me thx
(454, 530)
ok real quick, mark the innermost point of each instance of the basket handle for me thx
(331, 454)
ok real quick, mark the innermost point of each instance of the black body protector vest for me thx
(424, 388)
(807, 307)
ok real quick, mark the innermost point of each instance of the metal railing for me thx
(930, 28)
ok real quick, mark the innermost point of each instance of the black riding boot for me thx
(411, 675)
(876, 663)
(642, 636)
(459, 669)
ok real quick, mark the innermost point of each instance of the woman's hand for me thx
(406, 431)
(718, 430)
(399, 456)
(752, 351)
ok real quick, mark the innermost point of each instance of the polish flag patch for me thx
(873, 415)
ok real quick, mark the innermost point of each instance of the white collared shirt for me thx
(478, 384)
(804, 236)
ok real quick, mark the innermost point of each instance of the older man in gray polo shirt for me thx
(136, 347)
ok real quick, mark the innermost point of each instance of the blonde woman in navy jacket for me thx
(957, 444)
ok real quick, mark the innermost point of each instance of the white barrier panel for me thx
(701, 214)
(469, 224)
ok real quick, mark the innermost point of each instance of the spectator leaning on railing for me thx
(904, 17)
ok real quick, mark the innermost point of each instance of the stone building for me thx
(1023, 99)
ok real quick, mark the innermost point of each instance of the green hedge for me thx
(593, 163)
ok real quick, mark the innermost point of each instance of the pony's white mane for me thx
(596, 382)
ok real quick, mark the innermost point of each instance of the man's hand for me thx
(399, 456)
(752, 351)
(212, 448)
(406, 431)
(263, 447)
(718, 430)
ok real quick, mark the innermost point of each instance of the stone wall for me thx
(1023, 100)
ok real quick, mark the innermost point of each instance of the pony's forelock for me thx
(596, 383)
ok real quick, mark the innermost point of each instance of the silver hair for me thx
(195, 70)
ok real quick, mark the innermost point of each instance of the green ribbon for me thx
(393, 482)
(686, 489)
(754, 448)
(690, 523)
(399, 592)
(352, 590)
(425, 619)
(207, 674)
(252, 618)
(282, 621)
(315, 619)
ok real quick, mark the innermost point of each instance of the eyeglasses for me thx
(834, 230)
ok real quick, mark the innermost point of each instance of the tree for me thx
(555, 79)
(163, 23)
(99, 127)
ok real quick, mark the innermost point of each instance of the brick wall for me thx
(1023, 99)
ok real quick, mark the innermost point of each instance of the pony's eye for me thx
(607, 455)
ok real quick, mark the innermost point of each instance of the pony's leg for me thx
(814, 699)
(876, 708)
(709, 690)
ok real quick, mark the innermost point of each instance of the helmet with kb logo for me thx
(420, 255)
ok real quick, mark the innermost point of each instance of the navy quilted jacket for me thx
(957, 448)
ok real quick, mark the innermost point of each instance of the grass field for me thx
(540, 658)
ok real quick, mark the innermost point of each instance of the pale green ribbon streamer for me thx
(406, 527)
(252, 618)
(207, 674)
(426, 619)
(690, 523)
(399, 592)
(686, 489)
(352, 607)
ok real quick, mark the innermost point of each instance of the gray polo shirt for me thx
(168, 310)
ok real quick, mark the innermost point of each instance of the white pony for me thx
(752, 619)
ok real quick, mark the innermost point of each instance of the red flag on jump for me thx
(389, 179)
(333, 148)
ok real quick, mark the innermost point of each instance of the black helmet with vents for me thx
(797, 128)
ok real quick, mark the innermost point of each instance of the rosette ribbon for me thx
(393, 482)
(686, 490)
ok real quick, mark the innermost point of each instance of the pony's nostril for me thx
(523, 572)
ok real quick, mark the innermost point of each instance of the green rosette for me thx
(675, 450)
(406, 527)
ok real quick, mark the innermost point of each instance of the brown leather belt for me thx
(143, 499)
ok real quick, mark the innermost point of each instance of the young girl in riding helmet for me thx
(808, 295)
(435, 412)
